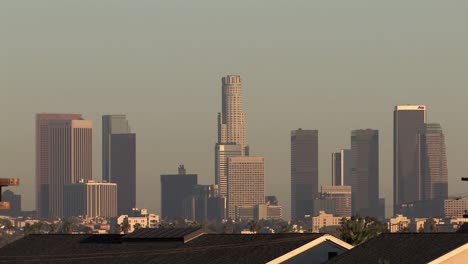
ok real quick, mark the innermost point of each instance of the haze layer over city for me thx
(334, 67)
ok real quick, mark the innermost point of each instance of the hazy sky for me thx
(327, 65)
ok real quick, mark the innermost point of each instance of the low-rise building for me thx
(399, 223)
(325, 223)
(138, 219)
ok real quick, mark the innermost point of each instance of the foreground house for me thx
(410, 248)
(174, 245)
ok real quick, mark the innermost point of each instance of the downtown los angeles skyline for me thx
(346, 74)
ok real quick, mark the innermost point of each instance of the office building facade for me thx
(341, 195)
(365, 172)
(222, 153)
(341, 167)
(432, 162)
(175, 189)
(408, 119)
(42, 158)
(246, 183)
(304, 172)
(90, 199)
(70, 158)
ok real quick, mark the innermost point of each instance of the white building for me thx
(398, 223)
(325, 223)
(141, 217)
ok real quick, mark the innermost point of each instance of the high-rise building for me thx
(231, 121)
(42, 158)
(432, 162)
(90, 199)
(246, 183)
(119, 160)
(123, 170)
(365, 172)
(304, 172)
(175, 188)
(197, 206)
(407, 121)
(70, 158)
(111, 124)
(222, 153)
(341, 194)
(341, 167)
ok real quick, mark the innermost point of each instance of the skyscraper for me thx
(231, 121)
(246, 183)
(304, 172)
(341, 167)
(365, 172)
(70, 158)
(119, 160)
(432, 162)
(175, 188)
(111, 124)
(42, 158)
(407, 120)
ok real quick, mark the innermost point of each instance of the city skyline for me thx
(311, 71)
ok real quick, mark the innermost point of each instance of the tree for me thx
(118, 229)
(67, 227)
(136, 226)
(125, 225)
(254, 227)
(358, 230)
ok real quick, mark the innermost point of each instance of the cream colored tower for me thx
(231, 121)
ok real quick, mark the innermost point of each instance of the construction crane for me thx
(4, 183)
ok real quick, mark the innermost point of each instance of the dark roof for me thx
(207, 248)
(160, 234)
(403, 248)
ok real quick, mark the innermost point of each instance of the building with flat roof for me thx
(246, 183)
(175, 188)
(70, 158)
(365, 172)
(304, 172)
(341, 195)
(42, 158)
(407, 120)
(341, 167)
(90, 199)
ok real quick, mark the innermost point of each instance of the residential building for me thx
(365, 172)
(90, 199)
(434, 248)
(119, 160)
(178, 245)
(341, 195)
(341, 167)
(42, 158)
(175, 188)
(70, 158)
(407, 119)
(399, 223)
(138, 218)
(432, 162)
(304, 172)
(325, 223)
(246, 183)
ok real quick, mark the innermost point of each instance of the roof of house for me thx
(207, 248)
(403, 248)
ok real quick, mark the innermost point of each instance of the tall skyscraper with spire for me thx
(408, 119)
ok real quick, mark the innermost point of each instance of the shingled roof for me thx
(403, 248)
(207, 248)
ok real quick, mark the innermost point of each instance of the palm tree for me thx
(358, 230)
